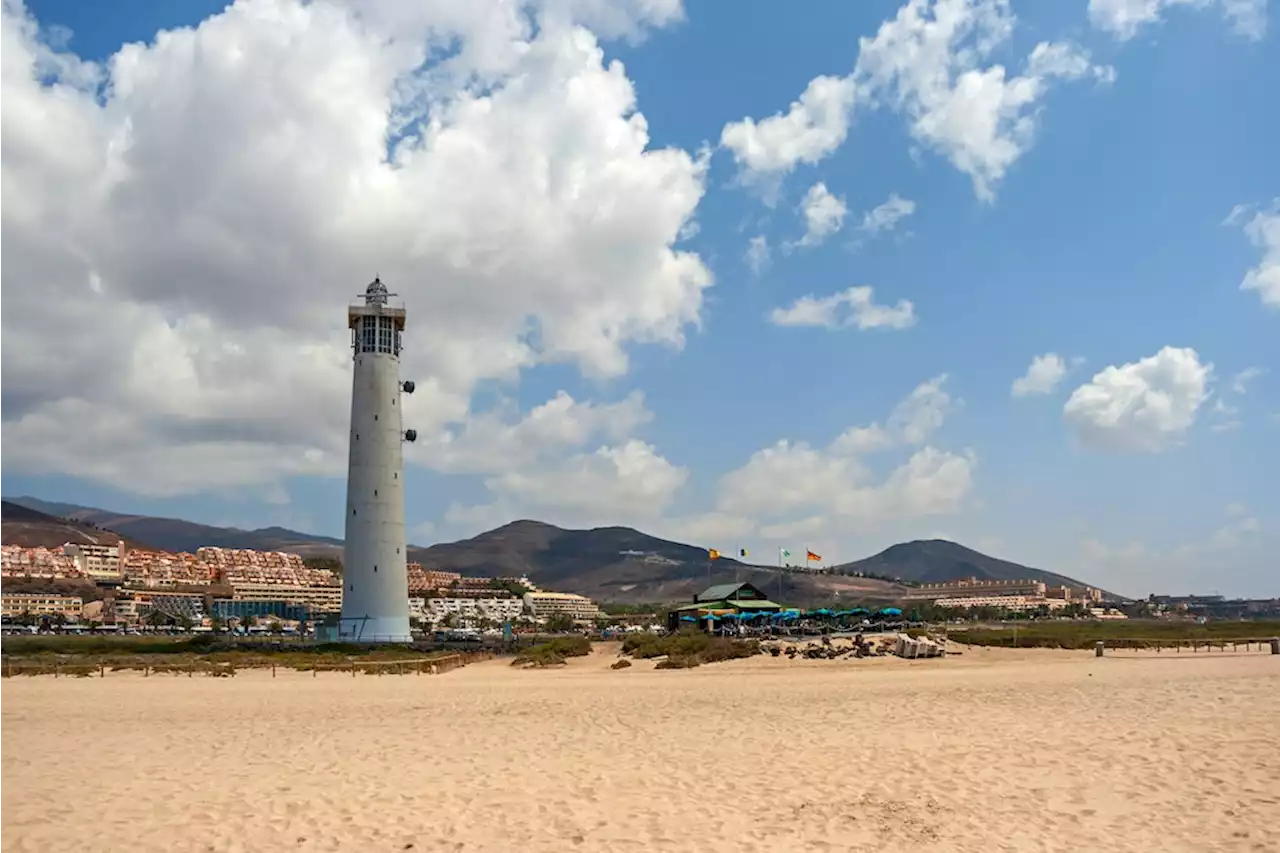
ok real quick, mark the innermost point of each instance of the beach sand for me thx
(995, 750)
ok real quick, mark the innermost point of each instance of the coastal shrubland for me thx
(688, 649)
(1133, 633)
(206, 653)
(554, 652)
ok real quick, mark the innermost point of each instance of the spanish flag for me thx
(713, 554)
(812, 557)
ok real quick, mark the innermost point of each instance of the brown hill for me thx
(612, 564)
(940, 561)
(174, 534)
(30, 528)
(618, 564)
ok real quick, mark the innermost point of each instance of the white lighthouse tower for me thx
(375, 595)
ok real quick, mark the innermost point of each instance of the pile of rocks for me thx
(827, 649)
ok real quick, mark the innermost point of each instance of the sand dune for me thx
(992, 751)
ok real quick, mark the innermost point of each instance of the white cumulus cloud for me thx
(1144, 406)
(886, 216)
(1125, 18)
(1263, 230)
(926, 63)
(793, 490)
(823, 214)
(852, 308)
(1240, 382)
(1042, 376)
(202, 206)
(758, 254)
(813, 127)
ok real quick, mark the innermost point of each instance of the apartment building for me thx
(97, 562)
(164, 569)
(1007, 602)
(319, 599)
(169, 602)
(428, 580)
(17, 562)
(1084, 594)
(577, 607)
(495, 608)
(15, 604)
(244, 557)
(976, 588)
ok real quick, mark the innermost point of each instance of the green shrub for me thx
(688, 648)
(1132, 633)
(553, 652)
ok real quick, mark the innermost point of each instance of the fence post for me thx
(1275, 645)
(102, 670)
(273, 669)
(1098, 647)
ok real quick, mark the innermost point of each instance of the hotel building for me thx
(579, 608)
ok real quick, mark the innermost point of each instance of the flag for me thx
(742, 552)
(783, 552)
(713, 554)
(809, 555)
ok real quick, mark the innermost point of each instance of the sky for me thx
(746, 275)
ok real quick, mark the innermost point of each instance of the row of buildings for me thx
(1010, 595)
(231, 583)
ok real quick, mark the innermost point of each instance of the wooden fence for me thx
(228, 669)
(1207, 645)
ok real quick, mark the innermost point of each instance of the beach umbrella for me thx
(688, 619)
(890, 611)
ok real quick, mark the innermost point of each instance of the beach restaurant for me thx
(726, 600)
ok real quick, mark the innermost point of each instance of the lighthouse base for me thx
(374, 629)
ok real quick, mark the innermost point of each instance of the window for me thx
(397, 341)
(386, 326)
(368, 334)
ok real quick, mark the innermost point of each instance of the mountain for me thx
(31, 528)
(618, 564)
(613, 564)
(172, 534)
(940, 561)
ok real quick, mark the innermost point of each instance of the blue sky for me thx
(1106, 238)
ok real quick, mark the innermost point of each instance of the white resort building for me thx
(577, 607)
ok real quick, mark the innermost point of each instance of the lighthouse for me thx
(375, 593)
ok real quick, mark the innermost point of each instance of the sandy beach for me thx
(993, 751)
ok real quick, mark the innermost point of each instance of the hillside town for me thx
(114, 588)
(119, 588)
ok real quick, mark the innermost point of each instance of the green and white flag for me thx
(784, 553)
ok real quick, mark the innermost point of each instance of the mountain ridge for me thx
(927, 561)
(611, 564)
